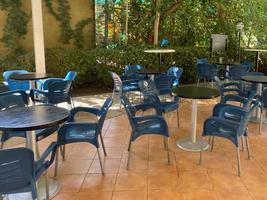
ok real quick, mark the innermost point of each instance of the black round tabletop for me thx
(30, 76)
(196, 92)
(254, 78)
(32, 118)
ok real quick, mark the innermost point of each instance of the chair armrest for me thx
(149, 118)
(237, 98)
(75, 110)
(237, 84)
(36, 91)
(45, 161)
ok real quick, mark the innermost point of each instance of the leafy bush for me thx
(93, 65)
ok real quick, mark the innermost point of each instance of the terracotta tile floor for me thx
(151, 178)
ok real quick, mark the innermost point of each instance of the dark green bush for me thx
(93, 65)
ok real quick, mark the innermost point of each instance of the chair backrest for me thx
(59, 92)
(71, 75)
(248, 64)
(164, 42)
(177, 73)
(11, 99)
(17, 171)
(103, 113)
(148, 87)
(164, 83)
(130, 110)
(245, 119)
(130, 71)
(14, 84)
(117, 83)
(237, 71)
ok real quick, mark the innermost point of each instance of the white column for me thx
(38, 36)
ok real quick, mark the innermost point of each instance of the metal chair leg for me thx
(238, 161)
(100, 161)
(242, 143)
(260, 125)
(200, 154)
(103, 145)
(165, 143)
(167, 148)
(178, 118)
(248, 146)
(46, 185)
(64, 152)
(212, 143)
(129, 155)
(56, 163)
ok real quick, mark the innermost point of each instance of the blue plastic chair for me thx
(71, 75)
(236, 72)
(14, 84)
(232, 130)
(206, 71)
(143, 125)
(73, 132)
(150, 93)
(19, 98)
(130, 73)
(19, 172)
(177, 73)
(247, 64)
(164, 84)
(164, 42)
(57, 92)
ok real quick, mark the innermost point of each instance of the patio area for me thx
(149, 176)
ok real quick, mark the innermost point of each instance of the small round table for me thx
(31, 77)
(194, 93)
(259, 80)
(257, 56)
(159, 51)
(30, 119)
(150, 73)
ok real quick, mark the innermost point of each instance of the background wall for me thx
(80, 9)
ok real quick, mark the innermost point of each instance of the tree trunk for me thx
(106, 23)
(126, 21)
(156, 24)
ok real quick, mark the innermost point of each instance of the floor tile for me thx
(130, 195)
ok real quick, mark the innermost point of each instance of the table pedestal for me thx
(193, 144)
(53, 190)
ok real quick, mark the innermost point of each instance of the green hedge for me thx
(93, 65)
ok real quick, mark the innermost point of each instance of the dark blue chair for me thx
(164, 84)
(143, 125)
(235, 72)
(57, 92)
(14, 84)
(150, 92)
(206, 71)
(130, 73)
(164, 42)
(232, 130)
(73, 132)
(19, 172)
(19, 98)
(247, 64)
(177, 73)
(71, 75)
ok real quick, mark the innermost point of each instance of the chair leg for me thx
(166, 139)
(248, 146)
(103, 145)
(64, 152)
(100, 161)
(242, 143)
(200, 154)
(129, 155)
(238, 161)
(260, 125)
(56, 163)
(212, 143)
(178, 119)
(165, 143)
(46, 185)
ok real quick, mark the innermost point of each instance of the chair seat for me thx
(150, 126)
(216, 129)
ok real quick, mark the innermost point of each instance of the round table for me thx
(149, 73)
(257, 56)
(194, 93)
(159, 51)
(259, 80)
(31, 77)
(30, 119)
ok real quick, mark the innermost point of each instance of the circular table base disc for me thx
(53, 190)
(187, 145)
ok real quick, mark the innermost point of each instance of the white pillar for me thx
(38, 36)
